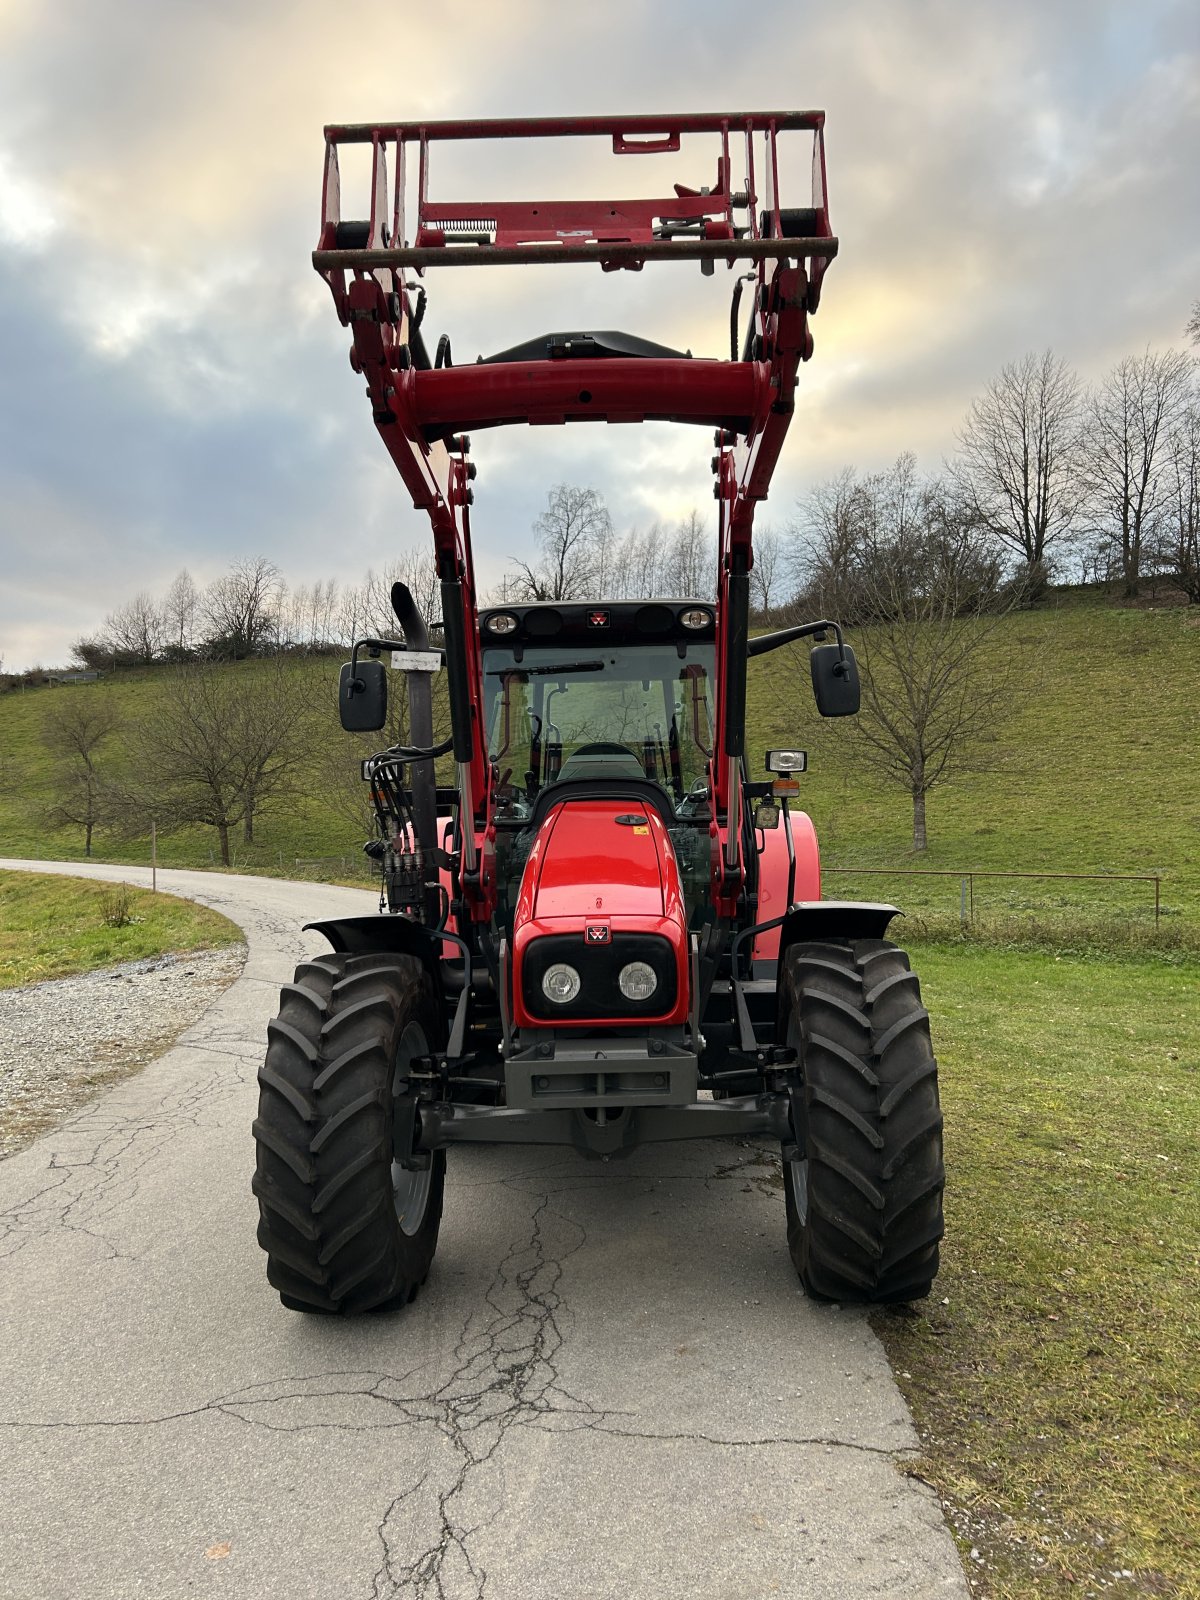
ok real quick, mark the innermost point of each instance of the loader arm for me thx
(375, 258)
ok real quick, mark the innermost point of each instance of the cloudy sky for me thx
(174, 389)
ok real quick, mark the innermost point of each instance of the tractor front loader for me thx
(606, 931)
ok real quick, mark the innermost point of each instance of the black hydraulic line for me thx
(745, 277)
(791, 849)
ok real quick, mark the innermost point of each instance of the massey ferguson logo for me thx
(597, 619)
(598, 933)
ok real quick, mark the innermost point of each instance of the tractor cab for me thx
(601, 702)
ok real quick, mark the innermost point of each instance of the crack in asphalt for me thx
(504, 1375)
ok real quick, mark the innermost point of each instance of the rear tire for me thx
(346, 1228)
(864, 1201)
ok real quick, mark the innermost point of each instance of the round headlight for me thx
(502, 622)
(637, 981)
(561, 983)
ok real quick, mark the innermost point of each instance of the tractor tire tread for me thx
(872, 1167)
(327, 1214)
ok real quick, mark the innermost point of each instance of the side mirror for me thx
(835, 680)
(362, 696)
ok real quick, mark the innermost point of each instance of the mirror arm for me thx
(772, 641)
(375, 646)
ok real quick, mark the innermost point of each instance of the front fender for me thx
(774, 871)
(834, 919)
(378, 932)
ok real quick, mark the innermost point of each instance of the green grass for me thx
(1053, 1373)
(53, 927)
(1096, 770)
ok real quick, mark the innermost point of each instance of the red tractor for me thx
(605, 932)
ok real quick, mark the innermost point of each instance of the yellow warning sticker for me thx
(641, 830)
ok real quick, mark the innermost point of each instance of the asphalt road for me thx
(611, 1385)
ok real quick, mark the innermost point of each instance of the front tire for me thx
(346, 1226)
(864, 1198)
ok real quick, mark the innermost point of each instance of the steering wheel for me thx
(605, 747)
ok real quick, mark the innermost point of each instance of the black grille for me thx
(598, 966)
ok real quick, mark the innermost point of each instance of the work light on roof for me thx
(695, 617)
(787, 760)
(502, 622)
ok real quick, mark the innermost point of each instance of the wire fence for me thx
(967, 879)
(348, 866)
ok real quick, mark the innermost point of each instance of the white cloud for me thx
(28, 219)
(1003, 177)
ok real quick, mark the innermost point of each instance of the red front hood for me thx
(600, 871)
(585, 861)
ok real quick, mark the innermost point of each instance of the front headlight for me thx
(561, 983)
(637, 981)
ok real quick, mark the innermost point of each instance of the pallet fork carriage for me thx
(523, 987)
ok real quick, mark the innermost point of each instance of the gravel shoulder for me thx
(64, 1042)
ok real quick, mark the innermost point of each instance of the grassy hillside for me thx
(1096, 770)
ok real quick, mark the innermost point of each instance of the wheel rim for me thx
(410, 1187)
(796, 1178)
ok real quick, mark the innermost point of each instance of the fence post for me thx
(962, 902)
(1157, 902)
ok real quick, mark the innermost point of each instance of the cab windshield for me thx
(625, 711)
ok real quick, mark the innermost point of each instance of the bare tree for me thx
(825, 546)
(767, 573)
(241, 610)
(75, 725)
(132, 636)
(690, 563)
(217, 745)
(1179, 548)
(605, 548)
(308, 616)
(638, 570)
(1193, 323)
(1131, 417)
(179, 610)
(417, 568)
(567, 532)
(1020, 459)
(920, 575)
(137, 630)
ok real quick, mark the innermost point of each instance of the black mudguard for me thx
(834, 919)
(354, 936)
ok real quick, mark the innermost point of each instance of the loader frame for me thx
(423, 409)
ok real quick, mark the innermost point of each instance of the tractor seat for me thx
(585, 764)
(577, 346)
